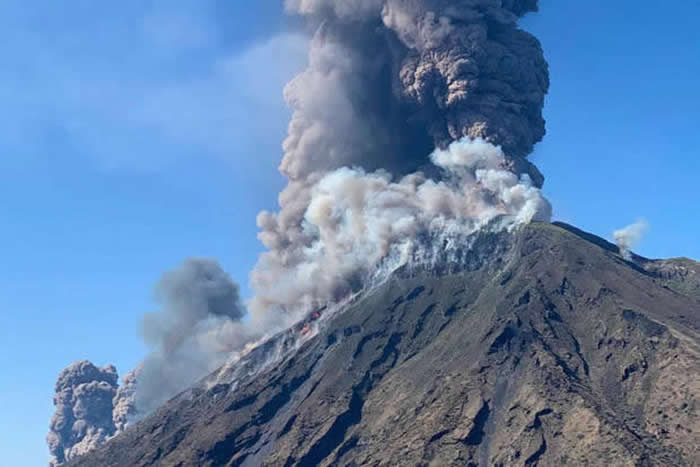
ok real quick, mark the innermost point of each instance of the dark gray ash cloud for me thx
(83, 416)
(382, 71)
(188, 340)
(194, 292)
(198, 300)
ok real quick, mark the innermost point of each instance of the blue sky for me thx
(137, 133)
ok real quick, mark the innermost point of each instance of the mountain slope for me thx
(546, 348)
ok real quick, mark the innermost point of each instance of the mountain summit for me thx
(547, 348)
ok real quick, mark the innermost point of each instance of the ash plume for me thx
(390, 79)
(191, 336)
(83, 417)
(395, 94)
(410, 131)
(124, 410)
(628, 238)
(188, 336)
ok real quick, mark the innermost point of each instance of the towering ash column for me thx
(388, 82)
(388, 73)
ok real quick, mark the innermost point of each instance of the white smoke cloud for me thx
(628, 238)
(355, 221)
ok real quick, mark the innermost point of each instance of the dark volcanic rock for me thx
(555, 351)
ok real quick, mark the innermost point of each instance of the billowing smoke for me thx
(191, 336)
(629, 237)
(199, 299)
(413, 117)
(390, 79)
(91, 408)
(83, 417)
(410, 131)
(359, 222)
(124, 410)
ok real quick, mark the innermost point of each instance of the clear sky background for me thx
(135, 134)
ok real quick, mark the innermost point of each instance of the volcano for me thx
(545, 347)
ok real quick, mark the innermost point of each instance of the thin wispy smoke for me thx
(188, 339)
(629, 238)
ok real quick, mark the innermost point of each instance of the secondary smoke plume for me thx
(124, 410)
(199, 300)
(190, 337)
(83, 417)
(629, 237)
(388, 82)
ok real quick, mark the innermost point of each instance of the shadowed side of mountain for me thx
(553, 350)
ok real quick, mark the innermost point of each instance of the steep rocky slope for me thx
(546, 348)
